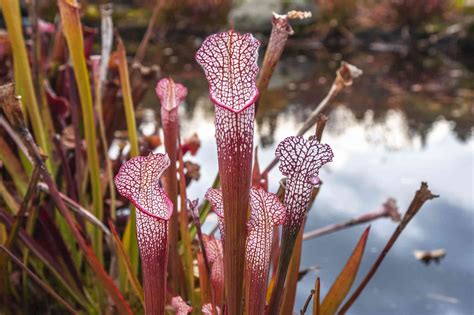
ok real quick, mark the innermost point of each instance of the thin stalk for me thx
(184, 229)
(126, 261)
(308, 300)
(79, 167)
(69, 178)
(421, 196)
(73, 32)
(149, 32)
(344, 77)
(388, 210)
(291, 282)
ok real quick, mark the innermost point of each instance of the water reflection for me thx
(405, 120)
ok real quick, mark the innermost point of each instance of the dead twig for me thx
(421, 196)
(344, 77)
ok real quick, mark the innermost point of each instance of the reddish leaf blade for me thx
(343, 283)
(229, 60)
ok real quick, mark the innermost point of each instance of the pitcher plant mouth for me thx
(229, 61)
(139, 181)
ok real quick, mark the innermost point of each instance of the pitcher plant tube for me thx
(300, 161)
(171, 95)
(267, 213)
(139, 181)
(229, 60)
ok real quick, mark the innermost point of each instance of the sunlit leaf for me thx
(343, 283)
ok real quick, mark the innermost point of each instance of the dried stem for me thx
(421, 196)
(74, 206)
(306, 304)
(281, 29)
(388, 210)
(149, 31)
(23, 77)
(344, 77)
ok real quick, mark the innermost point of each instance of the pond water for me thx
(406, 120)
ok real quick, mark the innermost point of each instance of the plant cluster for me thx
(59, 235)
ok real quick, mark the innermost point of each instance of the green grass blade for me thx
(73, 32)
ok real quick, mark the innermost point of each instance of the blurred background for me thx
(408, 118)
